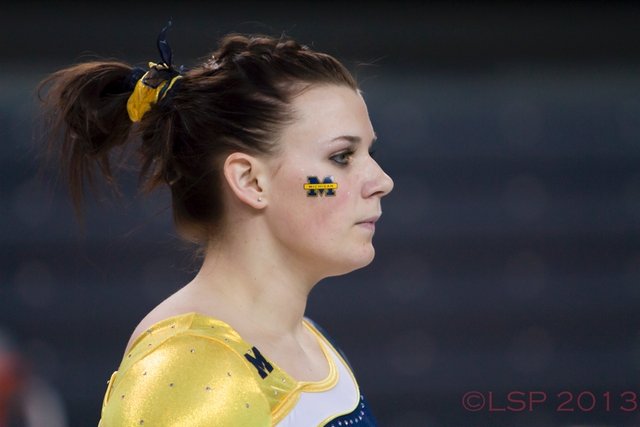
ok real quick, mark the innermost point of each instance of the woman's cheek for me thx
(343, 192)
(324, 202)
(332, 208)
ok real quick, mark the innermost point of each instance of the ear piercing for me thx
(259, 199)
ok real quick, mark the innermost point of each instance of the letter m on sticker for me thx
(325, 188)
(259, 362)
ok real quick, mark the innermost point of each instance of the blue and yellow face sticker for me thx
(315, 188)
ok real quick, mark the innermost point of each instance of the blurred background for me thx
(508, 256)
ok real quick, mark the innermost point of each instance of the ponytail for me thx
(85, 109)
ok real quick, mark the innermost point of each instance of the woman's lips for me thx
(369, 223)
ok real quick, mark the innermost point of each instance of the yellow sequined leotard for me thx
(196, 371)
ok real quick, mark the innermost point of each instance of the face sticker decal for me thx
(314, 187)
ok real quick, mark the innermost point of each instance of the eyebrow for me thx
(354, 140)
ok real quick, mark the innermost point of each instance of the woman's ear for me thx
(245, 176)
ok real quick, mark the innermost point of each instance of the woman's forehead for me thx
(329, 112)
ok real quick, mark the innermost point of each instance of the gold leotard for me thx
(196, 371)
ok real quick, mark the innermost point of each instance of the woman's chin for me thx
(354, 261)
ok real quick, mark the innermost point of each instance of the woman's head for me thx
(320, 195)
(239, 100)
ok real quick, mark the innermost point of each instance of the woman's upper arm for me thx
(186, 381)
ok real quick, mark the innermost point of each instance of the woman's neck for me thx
(249, 283)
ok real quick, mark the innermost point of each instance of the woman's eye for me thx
(342, 158)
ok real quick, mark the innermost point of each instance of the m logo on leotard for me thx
(259, 362)
(325, 188)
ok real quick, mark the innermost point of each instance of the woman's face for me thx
(326, 231)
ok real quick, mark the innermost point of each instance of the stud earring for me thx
(259, 199)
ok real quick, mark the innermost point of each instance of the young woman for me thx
(265, 148)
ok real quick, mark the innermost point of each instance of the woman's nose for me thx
(380, 184)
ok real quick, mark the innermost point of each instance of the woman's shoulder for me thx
(185, 370)
(171, 308)
(169, 329)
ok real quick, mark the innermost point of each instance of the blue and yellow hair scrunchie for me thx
(154, 85)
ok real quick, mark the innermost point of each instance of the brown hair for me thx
(236, 100)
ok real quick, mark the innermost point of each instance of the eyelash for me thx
(343, 154)
(348, 154)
